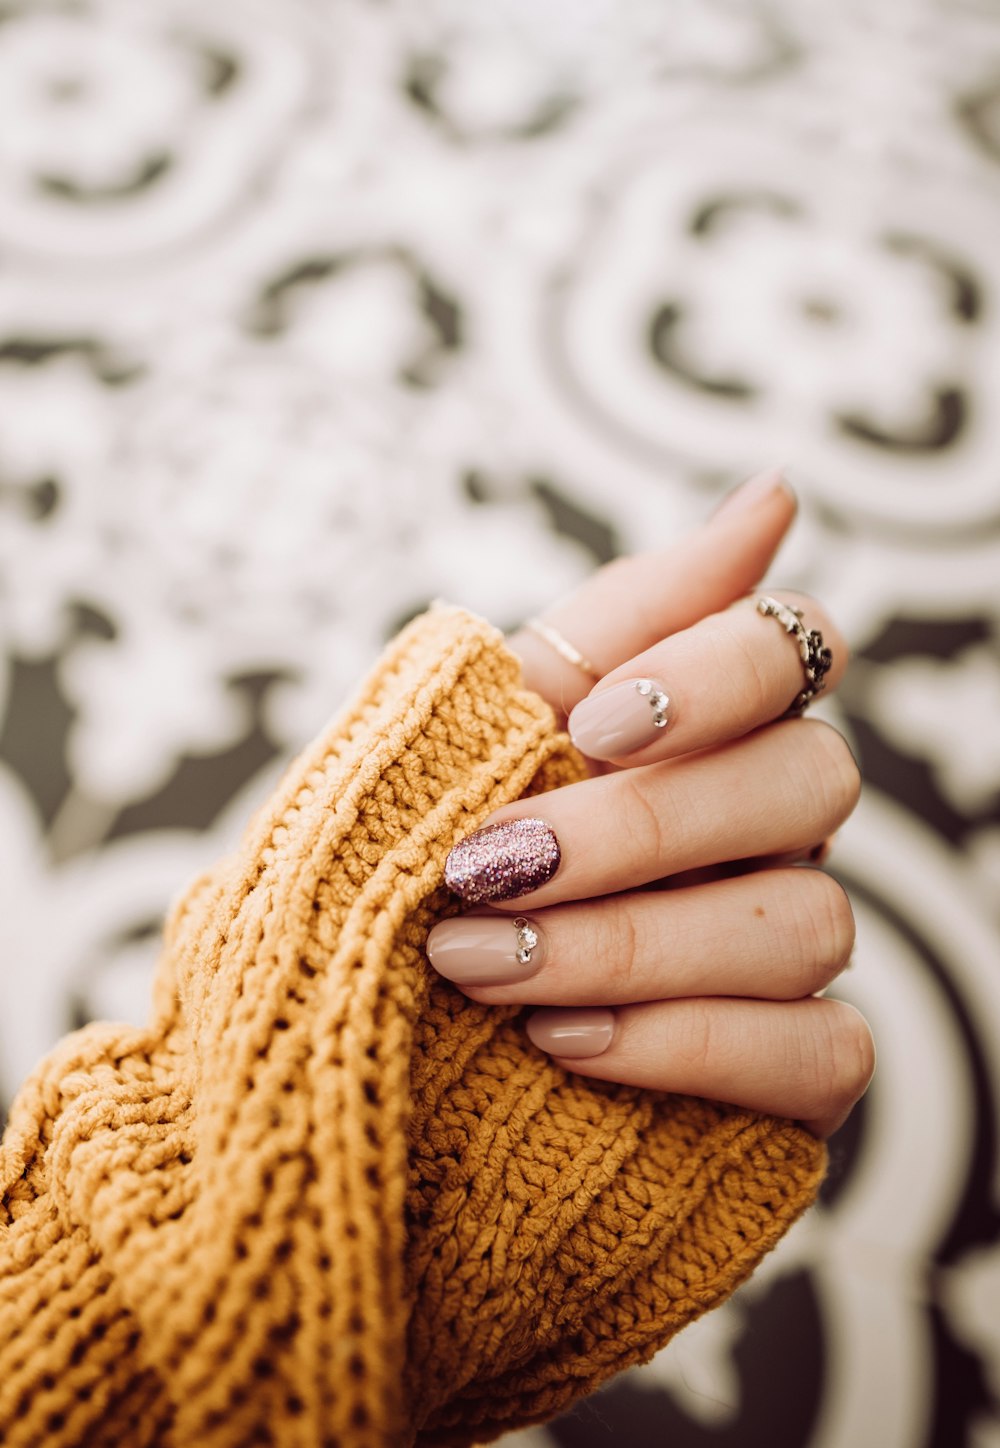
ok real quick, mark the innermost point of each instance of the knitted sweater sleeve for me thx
(322, 1200)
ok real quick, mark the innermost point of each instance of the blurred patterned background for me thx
(311, 312)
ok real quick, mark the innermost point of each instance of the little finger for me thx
(810, 1060)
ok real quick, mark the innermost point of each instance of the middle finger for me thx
(776, 792)
(721, 678)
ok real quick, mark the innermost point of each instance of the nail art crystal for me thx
(503, 861)
(527, 939)
(658, 701)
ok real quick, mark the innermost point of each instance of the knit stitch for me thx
(324, 1201)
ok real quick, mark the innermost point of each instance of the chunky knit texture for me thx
(322, 1200)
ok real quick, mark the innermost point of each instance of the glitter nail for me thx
(503, 861)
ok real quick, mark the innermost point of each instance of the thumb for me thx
(633, 602)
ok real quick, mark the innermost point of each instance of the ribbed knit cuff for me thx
(325, 1199)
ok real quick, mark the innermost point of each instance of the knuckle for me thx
(850, 1057)
(827, 922)
(694, 1038)
(832, 772)
(615, 943)
(646, 828)
(752, 683)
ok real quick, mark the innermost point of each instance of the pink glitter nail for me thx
(503, 861)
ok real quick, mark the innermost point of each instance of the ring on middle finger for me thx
(817, 659)
(729, 673)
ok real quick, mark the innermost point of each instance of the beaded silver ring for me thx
(816, 657)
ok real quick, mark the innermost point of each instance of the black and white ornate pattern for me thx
(311, 312)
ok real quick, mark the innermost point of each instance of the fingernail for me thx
(753, 492)
(620, 719)
(485, 950)
(577, 1034)
(503, 861)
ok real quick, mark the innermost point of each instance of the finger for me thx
(776, 792)
(810, 1060)
(629, 604)
(776, 935)
(726, 675)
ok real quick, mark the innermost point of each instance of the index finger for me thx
(632, 603)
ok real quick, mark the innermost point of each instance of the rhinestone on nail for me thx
(658, 701)
(527, 939)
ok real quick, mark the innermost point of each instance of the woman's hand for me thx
(707, 987)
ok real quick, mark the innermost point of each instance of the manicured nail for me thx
(485, 949)
(572, 1033)
(503, 861)
(620, 719)
(756, 490)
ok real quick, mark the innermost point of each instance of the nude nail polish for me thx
(486, 949)
(576, 1034)
(620, 719)
(503, 861)
(754, 491)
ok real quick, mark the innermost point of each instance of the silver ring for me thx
(562, 646)
(816, 657)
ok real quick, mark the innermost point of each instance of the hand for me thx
(707, 987)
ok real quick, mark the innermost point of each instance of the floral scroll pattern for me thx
(313, 311)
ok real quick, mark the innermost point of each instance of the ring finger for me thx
(808, 1059)
(778, 935)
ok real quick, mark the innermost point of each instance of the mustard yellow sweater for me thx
(322, 1200)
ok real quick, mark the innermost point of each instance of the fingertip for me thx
(764, 497)
(746, 531)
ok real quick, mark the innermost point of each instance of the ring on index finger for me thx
(562, 646)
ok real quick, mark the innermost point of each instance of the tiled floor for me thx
(310, 313)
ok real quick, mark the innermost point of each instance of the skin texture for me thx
(677, 946)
